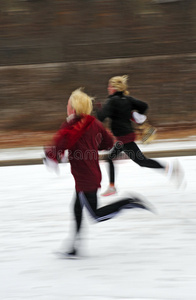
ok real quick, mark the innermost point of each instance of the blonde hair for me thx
(120, 83)
(81, 102)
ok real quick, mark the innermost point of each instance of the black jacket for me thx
(119, 108)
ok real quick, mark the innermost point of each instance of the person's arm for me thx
(105, 111)
(54, 153)
(58, 145)
(104, 138)
(140, 106)
(147, 131)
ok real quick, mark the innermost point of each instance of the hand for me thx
(51, 165)
(138, 118)
(65, 158)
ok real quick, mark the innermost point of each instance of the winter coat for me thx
(119, 108)
(83, 136)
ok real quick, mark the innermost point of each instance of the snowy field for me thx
(137, 255)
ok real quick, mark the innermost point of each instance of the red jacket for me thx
(83, 136)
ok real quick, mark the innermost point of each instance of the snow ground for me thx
(157, 145)
(137, 255)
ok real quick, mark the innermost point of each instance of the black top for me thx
(119, 108)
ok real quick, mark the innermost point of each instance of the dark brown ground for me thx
(14, 139)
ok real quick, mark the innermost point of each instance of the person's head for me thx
(118, 84)
(79, 103)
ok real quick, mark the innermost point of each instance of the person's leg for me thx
(172, 170)
(115, 151)
(77, 209)
(134, 153)
(89, 200)
(78, 213)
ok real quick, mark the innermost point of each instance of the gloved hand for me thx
(138, 118)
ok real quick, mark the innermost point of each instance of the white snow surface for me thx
(157, 145)
(137, 255)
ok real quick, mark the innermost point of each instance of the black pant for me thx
(134, 153)
(89, 201)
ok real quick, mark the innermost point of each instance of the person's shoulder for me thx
(113, 100)
(97, 122)
(70, 123)
(110, 99)
(90, 121)
(98, 125)
(131, 98)
(64, 125)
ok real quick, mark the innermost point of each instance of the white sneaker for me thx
(176, 173)
(111, 190)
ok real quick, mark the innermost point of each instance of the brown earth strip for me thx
(15, 139)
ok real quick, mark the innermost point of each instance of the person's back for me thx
(83, 135)
(119, 109)
(84, 156)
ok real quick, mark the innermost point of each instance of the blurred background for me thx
(48, 48)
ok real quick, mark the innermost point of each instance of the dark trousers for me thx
(134, 153)
(89, 201)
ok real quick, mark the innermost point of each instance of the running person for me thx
(120, 108)
(83, 135)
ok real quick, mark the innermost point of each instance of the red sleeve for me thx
(58, 146)
(105, 138)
